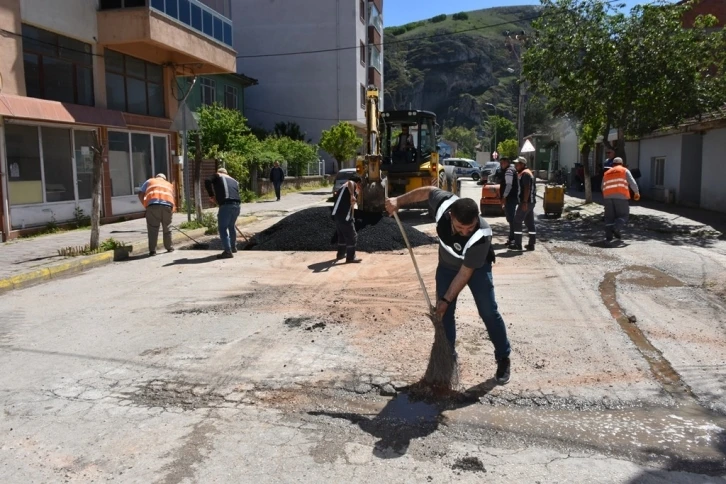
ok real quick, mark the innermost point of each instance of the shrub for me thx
(460, 16)
(396, 30)
(438, 18)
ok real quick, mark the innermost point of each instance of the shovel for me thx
(430, 309)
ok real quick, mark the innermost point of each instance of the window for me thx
(134, 85)
(25, 182)
(209, 88)
(362, 10)
(84, 142)
(230, 97)
(57, 68)
(57, 164)
(375, 19)
(362, 53)
(658, 170)
(362, 96)
(118, 160)
(110, 4)
(376, 58)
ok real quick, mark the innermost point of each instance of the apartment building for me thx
(74, 71)
(333, 50)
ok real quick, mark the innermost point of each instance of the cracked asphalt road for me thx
(280, 367)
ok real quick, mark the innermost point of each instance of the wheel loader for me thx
(405, 161)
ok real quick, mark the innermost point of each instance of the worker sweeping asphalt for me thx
(465, 258)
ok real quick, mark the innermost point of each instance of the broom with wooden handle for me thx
(442, 373)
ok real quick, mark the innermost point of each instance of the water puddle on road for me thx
(661, 368)
(409, 412)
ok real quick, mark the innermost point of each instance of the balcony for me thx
(182, 32)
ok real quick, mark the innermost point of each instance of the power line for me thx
(392, 43)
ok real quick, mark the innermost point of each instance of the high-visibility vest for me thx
(615, 182)
(160, 189)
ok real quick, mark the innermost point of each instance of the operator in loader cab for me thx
(404, 145)
(465, 259)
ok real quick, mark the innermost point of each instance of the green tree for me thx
(297, 154)
(505, 129)
(222, 129)
(636, 72)
(341, 142)
(466, 139)
(508, 148)
(460, 16)
(438, 18)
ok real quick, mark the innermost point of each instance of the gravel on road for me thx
(313, 229)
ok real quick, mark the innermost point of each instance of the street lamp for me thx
(495, 126)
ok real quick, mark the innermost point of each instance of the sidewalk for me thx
(671, 218)
(28, 261)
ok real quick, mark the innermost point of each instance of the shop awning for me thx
(56, 112)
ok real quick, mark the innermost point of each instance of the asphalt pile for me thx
(313, 230)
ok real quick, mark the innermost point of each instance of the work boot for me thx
(529, 247)
(234, 250)
(225, 255)
(350, 256)
(503, 371)
(341, 253)
(616, 233)
(152, 253)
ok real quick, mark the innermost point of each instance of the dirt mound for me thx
(312, 230)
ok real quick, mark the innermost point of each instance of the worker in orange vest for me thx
(616, 185)
(157, 195)
(527, 193)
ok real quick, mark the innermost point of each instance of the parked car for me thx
(341, 178)
(488, 172)
(464, 167)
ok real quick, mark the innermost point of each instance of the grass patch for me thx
(81, 250)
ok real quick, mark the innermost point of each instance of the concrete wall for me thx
(12, 71)
(691, 163)
(713, 195)
(668, 147)
(569, 152)
(313, 90)
(72, 18)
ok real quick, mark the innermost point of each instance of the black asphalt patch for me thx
(313, 230)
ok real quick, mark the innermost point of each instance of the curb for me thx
(81, 264)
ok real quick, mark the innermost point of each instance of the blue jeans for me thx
(226, 219)
(481, 285)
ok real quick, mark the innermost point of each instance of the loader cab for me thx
(409, 139)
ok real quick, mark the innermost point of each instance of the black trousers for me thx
(347, 239)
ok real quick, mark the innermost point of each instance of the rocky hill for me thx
(427, 65)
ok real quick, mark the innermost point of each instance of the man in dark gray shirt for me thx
(465, 258)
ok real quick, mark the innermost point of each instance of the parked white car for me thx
(464, 167)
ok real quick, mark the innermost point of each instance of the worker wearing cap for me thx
(616, 185)
(465, 259)
(157, 195)
(508, 190)
(223, 190)
(527, 196)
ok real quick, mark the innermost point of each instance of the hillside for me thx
(426, 67)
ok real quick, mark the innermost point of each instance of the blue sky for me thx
(398, 12)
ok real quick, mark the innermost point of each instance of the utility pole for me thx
(494, 149)
(519, 39)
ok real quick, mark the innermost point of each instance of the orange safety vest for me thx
(160, 189)
(615, 182)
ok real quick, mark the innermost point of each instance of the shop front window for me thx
(25, 181)
(118, 160)
(141, 159)
(57, 164)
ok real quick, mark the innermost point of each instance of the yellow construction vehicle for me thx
(406, 158)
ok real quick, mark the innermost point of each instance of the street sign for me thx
(184, 119)
(527, 147)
